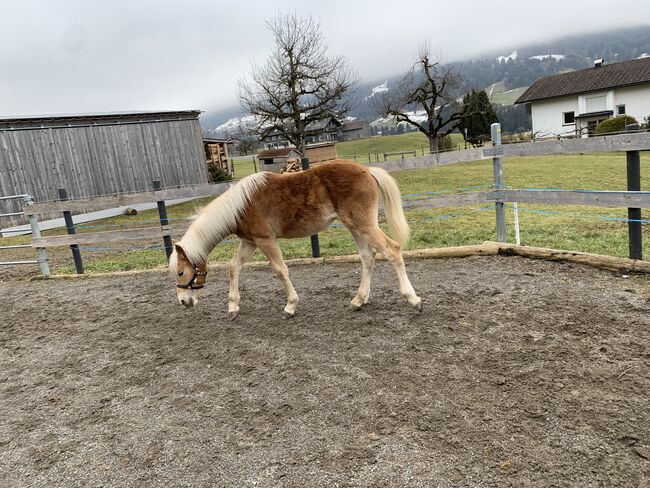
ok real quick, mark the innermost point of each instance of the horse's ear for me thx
(180, 250)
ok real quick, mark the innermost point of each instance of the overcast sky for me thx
(71, 56)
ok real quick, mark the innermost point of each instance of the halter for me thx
(190, 284)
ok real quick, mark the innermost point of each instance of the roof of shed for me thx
(626, 73)
(276, 153)
(62, 120)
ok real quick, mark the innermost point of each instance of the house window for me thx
(569, 118)
(620, 109)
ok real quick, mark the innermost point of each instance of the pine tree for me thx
(480, 115)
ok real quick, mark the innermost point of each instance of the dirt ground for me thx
(517, 373)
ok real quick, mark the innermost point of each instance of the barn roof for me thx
(62, 120)
(626, 73)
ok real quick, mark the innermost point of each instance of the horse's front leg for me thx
(270, 248)
(246, 248)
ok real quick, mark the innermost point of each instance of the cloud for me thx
(73, 56)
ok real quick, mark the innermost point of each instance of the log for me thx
(601, 261)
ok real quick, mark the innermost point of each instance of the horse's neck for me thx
(201, 238)
(220, 218)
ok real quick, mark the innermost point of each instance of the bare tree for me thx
(298, 84)
(433, 88)
(244, 134)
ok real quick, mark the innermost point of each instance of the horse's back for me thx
(300, 204)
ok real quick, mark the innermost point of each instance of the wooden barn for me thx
(100, 154)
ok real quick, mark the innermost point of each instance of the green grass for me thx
(498, 93)
(243, 167)
(378, 145)
(574, 228)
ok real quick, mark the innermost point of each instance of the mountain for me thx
(505, 75)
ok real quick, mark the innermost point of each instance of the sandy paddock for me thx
(517, 373)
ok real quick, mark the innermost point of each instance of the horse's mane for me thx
(219, 218)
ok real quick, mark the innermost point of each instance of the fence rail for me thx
(122, 200)
(592, 198)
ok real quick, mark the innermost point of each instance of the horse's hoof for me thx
(418, 307)
(233, 315)
(287, 315)
(354, 307)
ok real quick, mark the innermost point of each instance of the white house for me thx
(572, 104)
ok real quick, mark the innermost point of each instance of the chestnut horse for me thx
(266, 206)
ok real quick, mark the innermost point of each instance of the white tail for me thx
(399, 227)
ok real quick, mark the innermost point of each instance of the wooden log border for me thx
(488, 248)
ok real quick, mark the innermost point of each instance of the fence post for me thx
(634, 214)
(164, 221)
(69, 224)
(497, 176)
(315, 245)
(41, 255)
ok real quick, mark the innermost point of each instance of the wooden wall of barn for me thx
(98, 160)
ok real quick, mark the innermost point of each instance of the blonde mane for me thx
(219, 219)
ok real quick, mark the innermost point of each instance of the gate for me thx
(41, 255)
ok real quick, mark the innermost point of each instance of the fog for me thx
(81, 56)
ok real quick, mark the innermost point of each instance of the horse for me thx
(266, 206)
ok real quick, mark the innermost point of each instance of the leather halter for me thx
(190, 284)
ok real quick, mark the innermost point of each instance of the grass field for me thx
(378, 145)
(574, 228)
(498, 93)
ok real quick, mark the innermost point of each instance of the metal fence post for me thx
(69, 224)
(497, 176)
(315, 245)
(634, 214)
(41, 255)
(164, 221)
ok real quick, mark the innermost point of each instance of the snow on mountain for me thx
(417, 116)
(644, 55)
(233, 124)
(378, 89)
(541, 57)
(504, 59)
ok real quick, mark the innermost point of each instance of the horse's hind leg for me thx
(246, 248)
(393, 252)
(270, 248)
(367, 254)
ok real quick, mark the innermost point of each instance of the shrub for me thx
(446, 144)
(615, 124)
(218, 174)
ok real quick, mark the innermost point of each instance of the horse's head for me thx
(190, 277)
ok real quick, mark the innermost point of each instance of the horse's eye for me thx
(181, 273)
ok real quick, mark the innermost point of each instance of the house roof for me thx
(64, 120)
(605, 77)
(282, 152)
(319, 125)
(355, 125)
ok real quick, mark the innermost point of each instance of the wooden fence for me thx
(634, 199)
